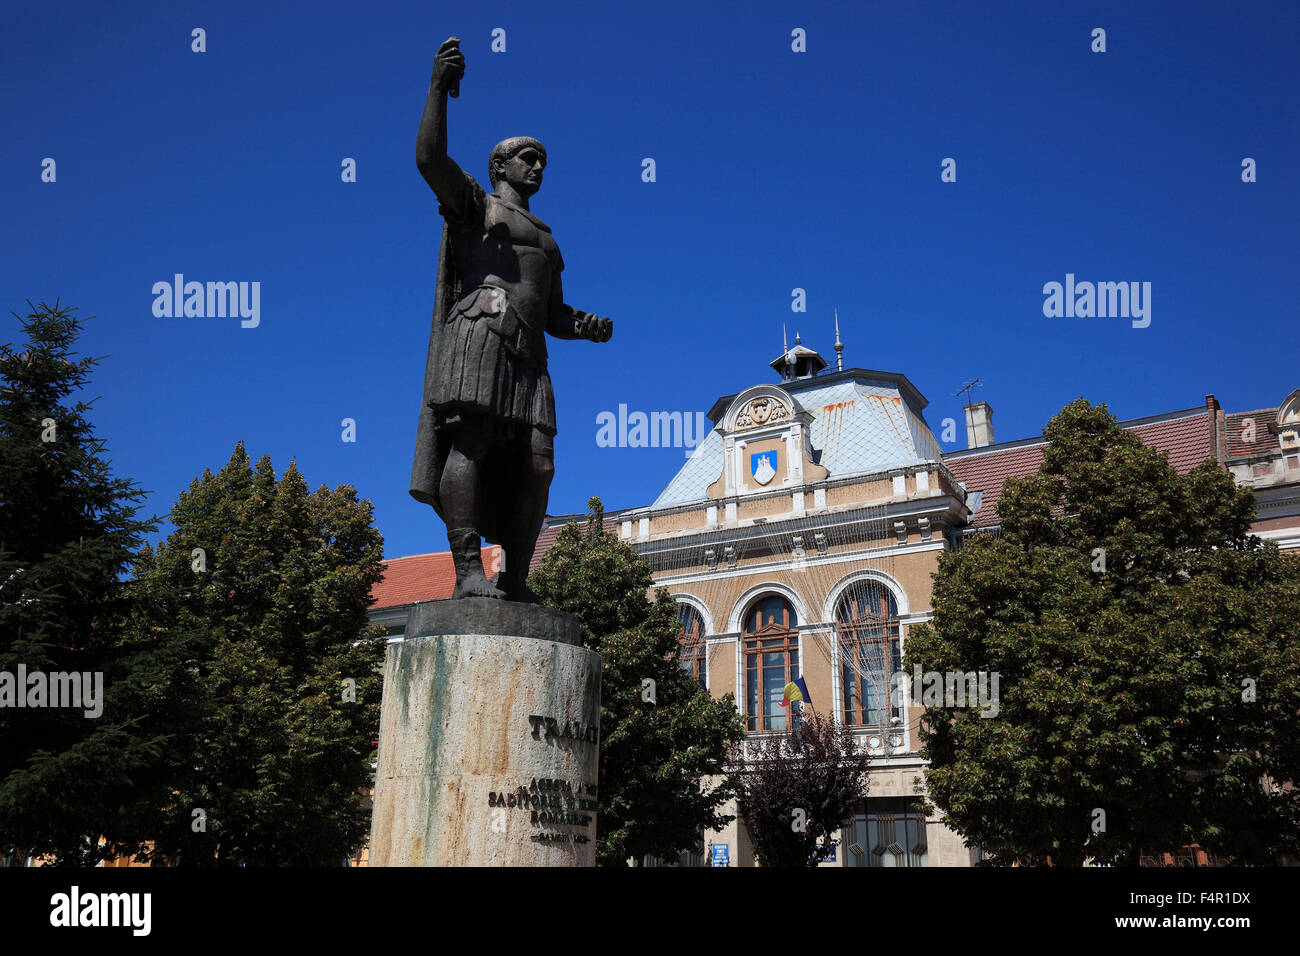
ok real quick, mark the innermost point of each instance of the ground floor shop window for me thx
(888, 831)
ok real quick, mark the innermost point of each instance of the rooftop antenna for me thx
(839, 346)
(967, 388)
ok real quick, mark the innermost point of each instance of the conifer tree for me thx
(75, 786)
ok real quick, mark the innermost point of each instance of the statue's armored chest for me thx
(509, 224)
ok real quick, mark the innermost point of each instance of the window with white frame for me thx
(692, 654)
(866, 623)
(771, 660)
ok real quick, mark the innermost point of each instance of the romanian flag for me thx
(796, 690)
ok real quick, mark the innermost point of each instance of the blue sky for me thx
(775, 170)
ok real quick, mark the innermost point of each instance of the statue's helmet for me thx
(506, 149)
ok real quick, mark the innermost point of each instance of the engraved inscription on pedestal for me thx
(559, 810)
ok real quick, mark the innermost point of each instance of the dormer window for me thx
(1288, 422)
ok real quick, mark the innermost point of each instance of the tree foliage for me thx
(1148, 659)
(799, 787)
(273, 581)
(68, 534)
(661, 759)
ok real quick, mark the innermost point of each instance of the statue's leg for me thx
(525, 521)
(460, 491)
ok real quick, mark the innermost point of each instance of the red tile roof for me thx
(986, 473)
(1238, 427)
(1186, 440)
(424, 577)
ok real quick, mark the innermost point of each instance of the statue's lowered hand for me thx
(596, 328)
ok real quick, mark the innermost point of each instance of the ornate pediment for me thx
(763, 410)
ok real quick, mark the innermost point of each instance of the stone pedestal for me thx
(488, 740)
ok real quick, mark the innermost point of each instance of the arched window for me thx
(866, 619)
(771, 660)
(692, 639)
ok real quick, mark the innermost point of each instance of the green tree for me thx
(799, 787)
(68, 536)
(661, 759)
(277, 581)
(1148, 659)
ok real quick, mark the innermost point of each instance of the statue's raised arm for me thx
(438, 169)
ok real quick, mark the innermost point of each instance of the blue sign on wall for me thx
(721, 854)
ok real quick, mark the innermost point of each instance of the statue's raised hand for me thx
(449, 66)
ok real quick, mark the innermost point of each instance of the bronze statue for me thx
(483, 452)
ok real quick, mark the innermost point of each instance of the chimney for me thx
(979, 425)
(1218, 445)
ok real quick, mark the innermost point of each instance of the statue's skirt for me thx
(480, 369)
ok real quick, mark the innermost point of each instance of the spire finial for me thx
(839, 346)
